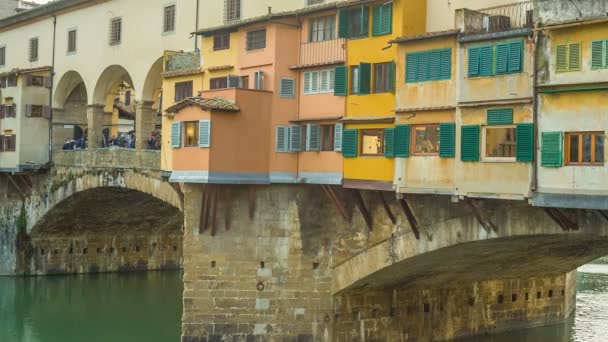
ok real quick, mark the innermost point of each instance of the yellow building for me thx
(368, 82)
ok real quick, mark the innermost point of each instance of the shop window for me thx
(499, 143)
(372, 142)
(425, 140)
(191, 134)
(585, 148)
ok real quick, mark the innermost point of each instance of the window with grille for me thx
(169, 19)
(218, 83)
(3, 56)
(256, 39)
(33, 50)
(232, 10)
(72, 41)
(221, 41)
(115, 31)
(314, 2)
(323, 28)
(183, 90)
(8, 142)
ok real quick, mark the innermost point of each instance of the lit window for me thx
(372, 142)
(500, 143)
(585, 148)
(191, 134)
(425, 140)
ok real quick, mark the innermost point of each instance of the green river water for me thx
(147, 307)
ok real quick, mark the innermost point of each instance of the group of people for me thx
(124, 140)
(77, 144)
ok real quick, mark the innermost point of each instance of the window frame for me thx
(330, 30)
(185, 133)
(378, 132)
(70, 50)
(2, 55)
(223, 79)
(413, 135)
(332, 131)
(328, 73)
(31, 56)
(387, 77)
(5, 138)
(223, 37)
(353, 84)
(483, 140)
(184, 83)
(568, 162)
(115, 39)
(169, 20)
(232, 11)
(249, 39)
(352, 13)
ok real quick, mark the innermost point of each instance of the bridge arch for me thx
(108, 80)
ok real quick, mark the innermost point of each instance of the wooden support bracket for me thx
(333, 196)
(603, 214)
(180, 193)
(201, 224)
(227, 207)
(216, 189)
(362, 208)
(481, 217)
(387, 208)
(251, 201)
(411, 218)
(12, 180)
(561, 219)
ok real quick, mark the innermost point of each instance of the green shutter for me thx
(391, 76)
(516, 56)
(402, 141)
(313, 137)
(561, 58)
(382, 17)
(423, 67)
(502, 58)
(343, 24)
(365, 78)
(350, 143)
(434, 65)
(598, 54)
(474, 61)
(486, 60)
(551, 149)
(500, 116)
(525, 142)
(282, 139)
(574, 56)
(341, 81)
(469, 145)
(411, 66)
(364, 22)
(377, 21)
(446, 64)
(447, 140)
(389, 142)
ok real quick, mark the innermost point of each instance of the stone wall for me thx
(553, 12)
(454, 311)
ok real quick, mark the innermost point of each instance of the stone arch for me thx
(153, 81)
(111, 77)
(66, 85)
(70, 108)
(147, 120)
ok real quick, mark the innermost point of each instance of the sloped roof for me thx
(428, 35)
(217, 104)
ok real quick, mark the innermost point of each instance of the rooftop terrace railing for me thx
(508, 17)
(323, 52)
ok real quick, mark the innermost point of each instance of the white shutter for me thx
(204, 133)
(307, 82)
(332, 74)
(338, 137)
(313, 137)
(324, 82)
(282, 139)
(295, 138)
(314, 82)
(176, 134)
(28, 110)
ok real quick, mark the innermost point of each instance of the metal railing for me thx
(508, 17)
(323, 52)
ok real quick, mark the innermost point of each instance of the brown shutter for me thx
(28, 111)
(12, 81)
(1, 142)
(2, 107)
(48, 82)
(46, 112)
(3, 82)
(12, 111)
(12, 143)
(28, 80)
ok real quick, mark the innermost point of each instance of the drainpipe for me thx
(51, 91)
(196, 26)
(535, 39)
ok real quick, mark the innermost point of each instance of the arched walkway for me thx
(70, 111)
(147, 120)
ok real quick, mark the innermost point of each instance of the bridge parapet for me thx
(120, 158)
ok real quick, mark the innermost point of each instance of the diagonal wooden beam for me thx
(251, 201)
(14, 183)
(362, 208)
(561, 219)
(411, 218)
(330, 192)
(205, 207)
(481, 217)
(216, 189)
(551, 213)
(180, 193)
(603, 214)
(227, 207)
(387, 208)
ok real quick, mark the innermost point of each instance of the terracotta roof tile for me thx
(217, 104)
(428, 35)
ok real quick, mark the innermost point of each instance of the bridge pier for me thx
(95, 124)
(145, 122)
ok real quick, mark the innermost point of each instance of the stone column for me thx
(145, 122)
(95, 118)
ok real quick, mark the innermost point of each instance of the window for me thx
(568, 57)
(585, 148)
(71, 41)
(191, 134)
(3, 56)
(500, 142)
(37, 81)
(33, 50)
(354, 23)
(8, 111)
(256, 39)
(372, 142)
(34, 111)
(314, 2)
(115, 31)
(425, 140)
(321, 81)
(127, 98)
(221, 41)
(501, 58)
(8, 142)
(169, 19)
(323, 28)
(431, 65)
(183, 90)
(382, 16)
(327, 137)
(244, 82)
(232, 10)
(8, 81)
(259, 80)
(599, 49)
(383, 77)
(218, 83)
(288, 88)
(354, 79)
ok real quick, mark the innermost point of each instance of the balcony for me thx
(515, 16)
(326, 52)
(182, 61)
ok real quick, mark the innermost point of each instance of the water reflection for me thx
(103, 307)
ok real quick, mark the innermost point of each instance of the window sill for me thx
(425, 155)
(70, 53)
(498, 160)
(168, 33)
(585, 164)
(494, 75)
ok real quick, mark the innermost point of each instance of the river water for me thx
(147, 307)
